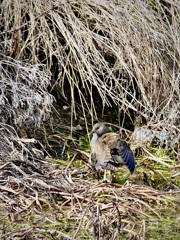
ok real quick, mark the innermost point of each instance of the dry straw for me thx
(128, 51)
(121, 53)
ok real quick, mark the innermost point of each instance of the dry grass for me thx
(128, 52)
(64, 201)
(93, 54)
(41, 199)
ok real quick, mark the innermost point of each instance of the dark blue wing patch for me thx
(127, 155)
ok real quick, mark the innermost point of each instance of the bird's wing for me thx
(126, 155)
(110, 140)
(119, 150)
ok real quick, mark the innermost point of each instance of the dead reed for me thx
(91, 54)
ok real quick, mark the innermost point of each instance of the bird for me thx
(108, 150)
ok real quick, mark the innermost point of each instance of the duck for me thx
(109, 151)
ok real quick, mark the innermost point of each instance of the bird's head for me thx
(99, 129)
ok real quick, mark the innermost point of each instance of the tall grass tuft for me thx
(128, 51)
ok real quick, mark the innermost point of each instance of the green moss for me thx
(167, 228)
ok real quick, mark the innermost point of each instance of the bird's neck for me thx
(94, 138)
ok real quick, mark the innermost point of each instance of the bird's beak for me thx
(91, 132)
